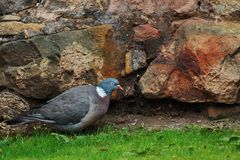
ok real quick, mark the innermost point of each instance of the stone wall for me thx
(189, 48)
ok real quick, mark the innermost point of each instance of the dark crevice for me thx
(235, 15)
(199, 3)
(2, 88)
(153, 107)
(7, 38)
(237, 51)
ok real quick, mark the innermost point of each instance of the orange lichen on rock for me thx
(112, 56)
(204, 67)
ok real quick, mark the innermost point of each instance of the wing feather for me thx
(67, 108)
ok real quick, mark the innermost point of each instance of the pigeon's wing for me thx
(68, 108)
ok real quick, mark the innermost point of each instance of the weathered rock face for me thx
(15, 28)
(10, 17)
(58, 44)
(41, 66)
(11, 6)
(145, 32)
(134, 60)
(11, 105)
(154, 6)
(225, 7)
(202, 64)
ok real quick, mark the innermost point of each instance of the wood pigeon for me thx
(74, 109)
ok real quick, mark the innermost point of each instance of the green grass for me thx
(111, 144)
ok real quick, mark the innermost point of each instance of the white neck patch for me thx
(101, 92)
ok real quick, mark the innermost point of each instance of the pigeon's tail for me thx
(32, 115)
(19, 120)
(28, 119)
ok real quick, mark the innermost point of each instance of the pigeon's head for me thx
(109, 85)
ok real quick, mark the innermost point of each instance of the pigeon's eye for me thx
(112, 83)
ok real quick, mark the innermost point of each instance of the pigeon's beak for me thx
(119, 87)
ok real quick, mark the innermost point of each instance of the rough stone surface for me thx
(12, 6)
(11, 105)
(97, 59)
(18, 53)
(225, 7)
(52, 10)
(202, 64)
(10, 18)
(145, 32)
(14, 28)
(135, 59)
(153, 6)
(55, 27)
(42, 66)
(220, 9)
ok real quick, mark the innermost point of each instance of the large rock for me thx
(42, 66)
(202, 64)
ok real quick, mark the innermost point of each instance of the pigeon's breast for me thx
(98, 107)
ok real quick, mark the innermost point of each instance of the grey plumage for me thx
(73, 110)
